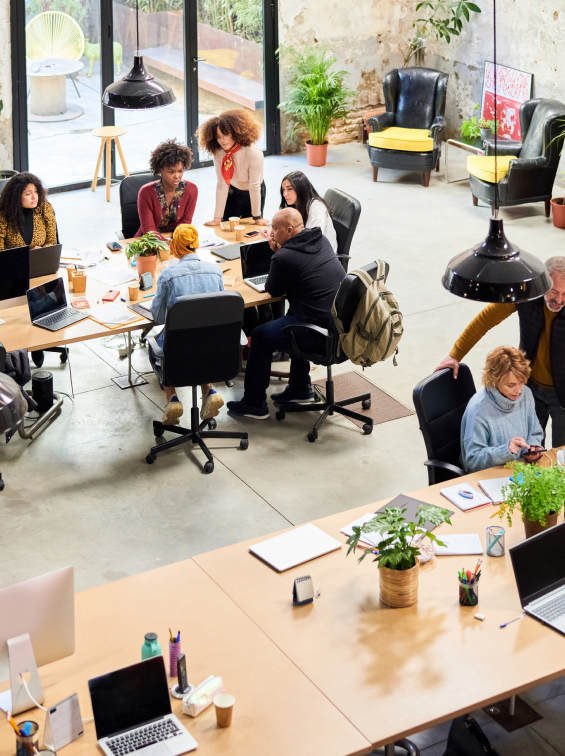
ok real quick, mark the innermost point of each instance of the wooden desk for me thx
(393, 672)
(277, 709)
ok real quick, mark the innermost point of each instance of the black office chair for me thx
(408, 747)
(345, 217)
(129, 189)
(202, 345)
(5, 175)
(348, 297)
(440, 401)
(2, 367)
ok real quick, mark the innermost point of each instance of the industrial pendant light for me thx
(138, 90)
(496, 270)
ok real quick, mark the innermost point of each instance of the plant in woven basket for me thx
(146, 246)
(536, 492)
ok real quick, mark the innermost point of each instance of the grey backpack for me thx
(376, 327)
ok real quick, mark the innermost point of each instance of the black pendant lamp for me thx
(496, 270)
(138, 90)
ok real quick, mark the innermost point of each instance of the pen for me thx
(495, 513)
(123, 299)
(513, 620)
(27, 729)
(14, 725)
(146, 296)
(171, 636)
(178, 636)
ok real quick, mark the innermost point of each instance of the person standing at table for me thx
(297, 191)
(231, 139)
(26, 217)
(166, 203)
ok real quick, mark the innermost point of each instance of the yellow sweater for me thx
(491, 316)
(44, 229)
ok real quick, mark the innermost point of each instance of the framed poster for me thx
(513, 87)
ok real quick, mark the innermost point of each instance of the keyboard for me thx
(133, 740)
(56, 317)
(258, 280)
(553, 609)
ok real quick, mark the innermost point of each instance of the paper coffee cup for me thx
(224, 709)
(233, 222)
(133, 290)
(239, 233)
(70, 270)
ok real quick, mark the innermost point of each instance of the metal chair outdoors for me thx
(54, 34)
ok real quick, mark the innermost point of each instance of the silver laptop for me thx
(539, 568)
(48, 306)
(256, 263)
(132, 712)
(44, 261)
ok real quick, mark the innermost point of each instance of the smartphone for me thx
(536, 451)
(109, 296)
(114, 246)
(181, 673)
(251, 234)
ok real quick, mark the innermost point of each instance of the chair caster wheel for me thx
(244, 443)
(1, 484)
(209, 467)
(212, 424)
(64, 357)
(150, 459)
(312, 436)
(366, 404)
(158, 432)
(280, 415)
(367, 429)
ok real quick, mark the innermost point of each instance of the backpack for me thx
(376, 328)
(467, 739)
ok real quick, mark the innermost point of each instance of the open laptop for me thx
(132, 712)
(256, 263)
(14, 277)
(44, 261)
(48, 306)
(539, 568)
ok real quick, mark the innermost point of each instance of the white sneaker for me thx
(211, 405)
(173, 411)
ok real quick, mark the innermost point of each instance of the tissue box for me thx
(202, 696)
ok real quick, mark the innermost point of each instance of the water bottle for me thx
(151, 646)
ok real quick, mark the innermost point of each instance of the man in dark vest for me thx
(542, 339)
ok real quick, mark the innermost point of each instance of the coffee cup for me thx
(79, 282)
(133, 289)
(234, 220)
(239, 233)
(223, 703)
(70, 270)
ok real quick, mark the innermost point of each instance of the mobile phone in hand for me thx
(536, 451)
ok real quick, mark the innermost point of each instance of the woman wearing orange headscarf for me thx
(189, 276)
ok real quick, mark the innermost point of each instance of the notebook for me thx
(493, 488)
(467, 543)
(295, 547)
(453, 493)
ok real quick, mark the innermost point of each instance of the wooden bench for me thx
(211, 78)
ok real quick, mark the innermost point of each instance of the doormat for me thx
(383, 407)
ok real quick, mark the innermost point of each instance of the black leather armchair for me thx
(530, 178)
(414, 99)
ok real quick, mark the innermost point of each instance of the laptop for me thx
(132, 712)
(48, 306)
(539, 568)
(256, 263)
(14, 277)
(44, 261)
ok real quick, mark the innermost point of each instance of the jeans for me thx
(239, 203)
(547, 405)
(265, 340)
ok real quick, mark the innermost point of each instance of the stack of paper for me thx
(82, 258)
(493, 488)
(113, 315)
(468, 543)
(207, 238)
(471, 501)
(110, 275)
(369, 539)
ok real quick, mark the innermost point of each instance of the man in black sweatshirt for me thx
(306, 270)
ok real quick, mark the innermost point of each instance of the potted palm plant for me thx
(317, 97)
(397, 549)
(538, 493)
(146, 250)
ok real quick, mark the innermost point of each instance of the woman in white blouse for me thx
(230, 138)
(298, 192)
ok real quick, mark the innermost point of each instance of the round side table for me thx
(48, 87)
(107, 133)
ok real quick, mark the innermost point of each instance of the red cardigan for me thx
(151, 212)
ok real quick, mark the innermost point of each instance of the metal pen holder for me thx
(495, 541)
(25, 744)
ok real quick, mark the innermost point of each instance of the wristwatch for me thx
(258, 217)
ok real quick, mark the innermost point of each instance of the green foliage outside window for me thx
(79, 10)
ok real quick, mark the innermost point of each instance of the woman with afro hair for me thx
(166, 203)
(230, 138)
(26, 217)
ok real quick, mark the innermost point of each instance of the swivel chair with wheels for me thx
(440, 401)
(201, 345)
(350, 292)
(345, 217)
(129, 189)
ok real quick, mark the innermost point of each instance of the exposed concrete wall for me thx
(6, 143)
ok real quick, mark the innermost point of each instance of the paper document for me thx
(468, 543)
(493, 488)
(295, 547)
(112, 314)
(207, 238)
(110, 275)
(370, 539)
(82, 258)
(454, 494)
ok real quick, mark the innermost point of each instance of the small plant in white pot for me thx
(398, 549)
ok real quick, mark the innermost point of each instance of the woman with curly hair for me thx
(26, 217)
(166, 203)
(230, 138)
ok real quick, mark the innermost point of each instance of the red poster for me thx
(513, 88)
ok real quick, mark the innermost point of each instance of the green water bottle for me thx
(151, 647)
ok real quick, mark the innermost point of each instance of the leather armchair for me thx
(531, 176)
(414, 99)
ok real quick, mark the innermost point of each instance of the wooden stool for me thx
(108, 133)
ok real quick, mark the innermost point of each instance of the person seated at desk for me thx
(231, 139)
(298, 192)
(26, 217)
(500, 423)
(189, 276)
(166, 203)
(307, 270)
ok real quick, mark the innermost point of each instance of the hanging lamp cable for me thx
(495, 120)
(137, 31)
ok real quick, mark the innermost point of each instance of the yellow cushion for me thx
(482, 166)
(396, 138)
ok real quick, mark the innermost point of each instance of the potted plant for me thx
(146, 250)
(538, 493)
(487, 128)
(470, 128)
(316, 98)
(397, 549)
(558, 212)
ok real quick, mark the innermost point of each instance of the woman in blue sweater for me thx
(500, 423)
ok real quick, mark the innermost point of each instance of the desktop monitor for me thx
(14, 277)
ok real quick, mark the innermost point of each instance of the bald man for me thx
(306, 270)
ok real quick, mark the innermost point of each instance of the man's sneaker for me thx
(241, 409)
(173, 411)
(292, 395)
(211, 405)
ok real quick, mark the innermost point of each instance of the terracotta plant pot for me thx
(533, 528)
(147, 264)
(558, 212)
(399, 588)
(165, 255)
(316, 154)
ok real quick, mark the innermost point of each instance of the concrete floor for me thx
(81, 493)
